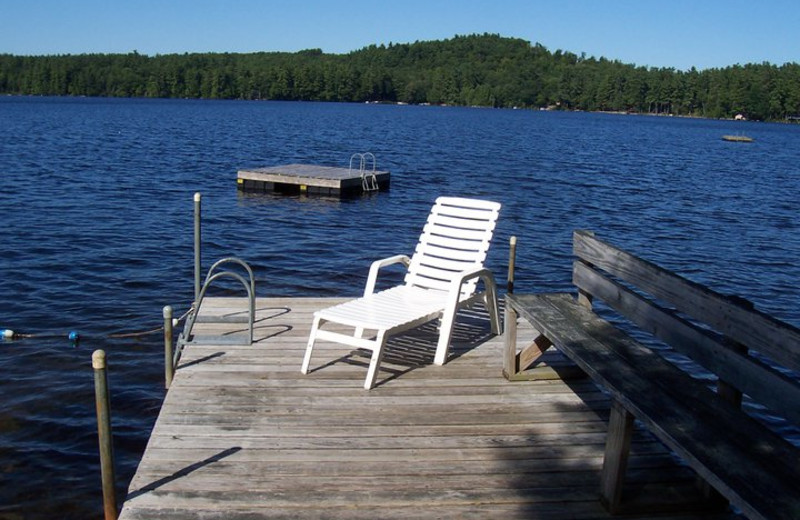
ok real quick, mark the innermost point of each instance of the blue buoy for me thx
(74, 337)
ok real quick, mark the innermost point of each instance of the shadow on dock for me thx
(557, 466)
(201, 360)
(184, 472)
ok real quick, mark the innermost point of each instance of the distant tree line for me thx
(480, 70)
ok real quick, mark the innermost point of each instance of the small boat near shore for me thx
(737, 138)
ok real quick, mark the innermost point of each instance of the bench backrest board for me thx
(717, 331)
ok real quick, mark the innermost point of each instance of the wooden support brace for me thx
(532, 352)
(516, 363)
(585, 298)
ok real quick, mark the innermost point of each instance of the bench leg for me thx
(510, 368)
(615, 462)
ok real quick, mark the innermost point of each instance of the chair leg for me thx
(375, 361)
(445, 334)
(490, 300)
(311, 339)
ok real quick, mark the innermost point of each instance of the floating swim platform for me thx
(312, 179)
(737, 138)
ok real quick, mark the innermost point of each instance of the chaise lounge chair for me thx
(442, 277)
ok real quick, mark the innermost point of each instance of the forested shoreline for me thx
(475, 70)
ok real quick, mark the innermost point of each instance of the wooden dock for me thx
(243, 435)
(311, 179)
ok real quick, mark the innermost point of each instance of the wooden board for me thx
(764, 383)
(732, 316)
(242, 434)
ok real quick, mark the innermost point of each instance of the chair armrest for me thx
(454, 302)
(377, 265)
(479, 272)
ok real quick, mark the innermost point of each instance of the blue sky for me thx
(673, 33)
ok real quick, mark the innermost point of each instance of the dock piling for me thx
(512, 257)
(197, 208)
(169, 368)
(104, 436)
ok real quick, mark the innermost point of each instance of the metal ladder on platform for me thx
(186, 337)
(369, 182)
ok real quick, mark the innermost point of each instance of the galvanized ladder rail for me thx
(369, 182)
(249, 285)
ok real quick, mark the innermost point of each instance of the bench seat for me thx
(747, 463)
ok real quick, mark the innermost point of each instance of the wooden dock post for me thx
(169, 367)
(512, 257)
(197, 208)
(104, 436)
(510, 365)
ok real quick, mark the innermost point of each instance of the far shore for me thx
(788, 119)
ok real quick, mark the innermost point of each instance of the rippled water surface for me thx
(96, 217)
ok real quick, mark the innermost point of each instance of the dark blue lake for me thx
(96, 233)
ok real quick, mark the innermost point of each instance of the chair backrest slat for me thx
(456, 238)
(446, 264)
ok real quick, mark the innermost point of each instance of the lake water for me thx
(96, 233)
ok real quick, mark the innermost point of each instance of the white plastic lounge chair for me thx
(442, 276)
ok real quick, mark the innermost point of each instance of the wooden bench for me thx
(749, 352)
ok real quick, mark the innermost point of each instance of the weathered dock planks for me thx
(310, 179)
(242, 434)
